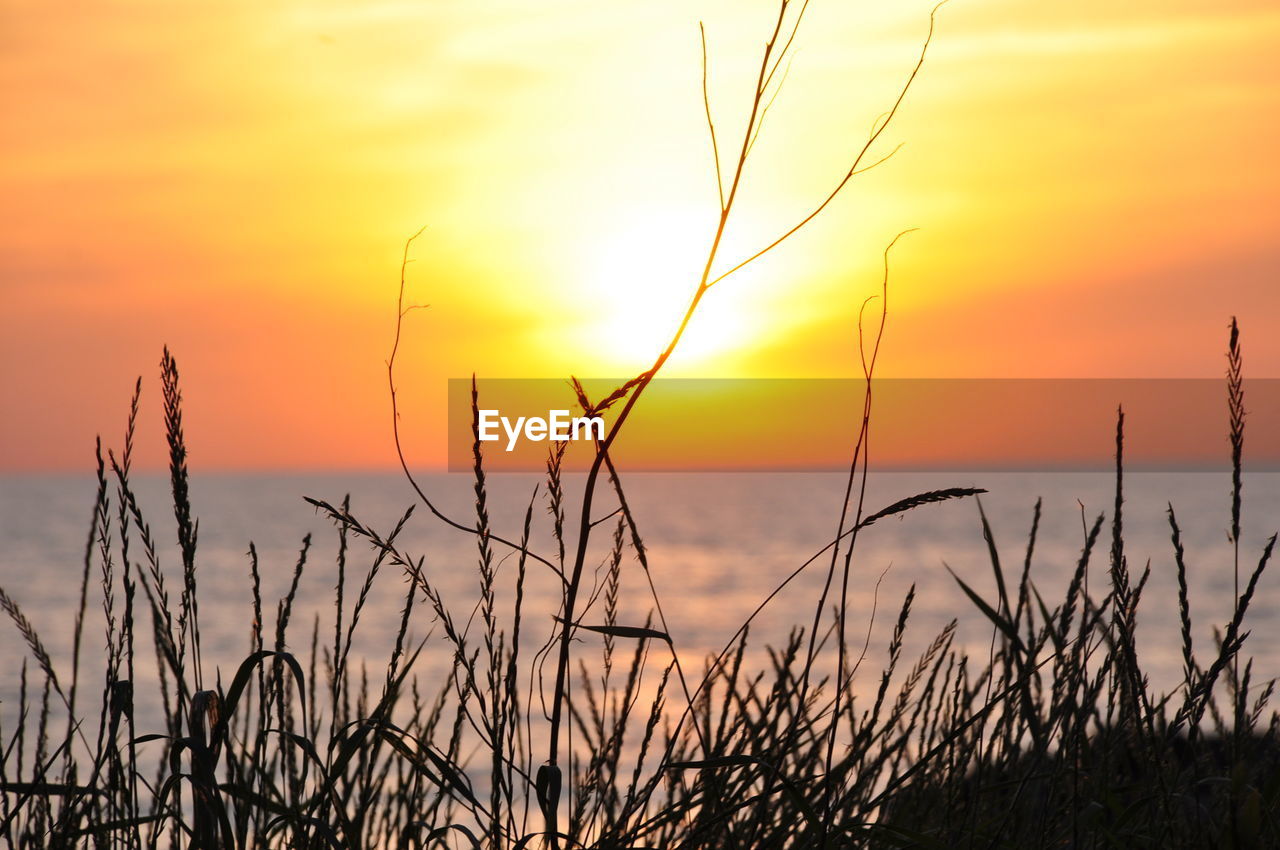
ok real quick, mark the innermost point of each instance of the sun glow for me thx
(280, 153)
(638, 282)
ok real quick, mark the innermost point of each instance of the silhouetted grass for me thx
(572, 728)
(1053, 739)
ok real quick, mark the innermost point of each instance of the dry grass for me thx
(1052, 739)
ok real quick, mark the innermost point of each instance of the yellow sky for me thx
(1095, 184)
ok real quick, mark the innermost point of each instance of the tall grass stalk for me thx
(492, 722)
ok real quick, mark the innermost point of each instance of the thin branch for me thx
(864, 440)
(711, 126)
(602, 451)
(551, 769)
(764, 113)
(786, 48)
(854, 169)
(401, 312)
(613, 513)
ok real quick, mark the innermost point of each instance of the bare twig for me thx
(401, 312)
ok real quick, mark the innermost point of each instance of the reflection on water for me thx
(718, 544)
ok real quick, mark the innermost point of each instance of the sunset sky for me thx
(1095, 184)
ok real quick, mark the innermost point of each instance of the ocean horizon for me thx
(717, 545)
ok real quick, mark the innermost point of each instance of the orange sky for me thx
(1095, 184)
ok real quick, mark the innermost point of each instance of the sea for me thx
(718, 545)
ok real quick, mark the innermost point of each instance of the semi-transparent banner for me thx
(915, 424)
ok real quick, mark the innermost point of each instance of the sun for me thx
(637, 283)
